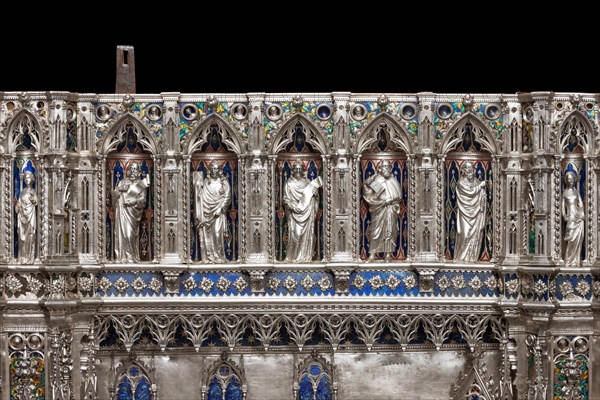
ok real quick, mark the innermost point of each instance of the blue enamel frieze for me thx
(575, 287)
(299, 283)
(393, 283)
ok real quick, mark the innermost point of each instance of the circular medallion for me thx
(154, 113)
(408, 111)
(189, 112)
(323, 112)
(492, 111)
(274, 112)
(562, 344)
(103, 112)
(444, 110)
(358, 112)
(239, 111)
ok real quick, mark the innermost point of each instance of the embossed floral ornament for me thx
(443, 283)
(376, 282)
(86, 283)
(205, 285)
(475, 284)
(359, 282)
(290, 284)
(240, 284)
(491, 282)
(223, 284)
(138, 284)
(273, 283)
(582, 288)
(596, 288)
(566, 288)
(307, 283)
(104, 284)
(458, 282)
(512, 286)
(189, 283)
(13, 284)
(392, 282)
(324, 284)
(540, 287)
(410, 282)
(34, 285)
(121, 285)
(155, 285)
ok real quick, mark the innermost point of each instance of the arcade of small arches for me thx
(480, 206)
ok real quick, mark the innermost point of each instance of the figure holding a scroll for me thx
(213, 196)
(301, 201)
(129, 199)
(383, 194)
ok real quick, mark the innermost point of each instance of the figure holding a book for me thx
(301, 201)
(129, 198)
(383, 194)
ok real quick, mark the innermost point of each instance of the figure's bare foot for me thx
(371, 258)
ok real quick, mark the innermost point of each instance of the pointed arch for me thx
(224, 378)
(315, 378)
(397, 133)
(481, 132)
(21, 121)
(134, 381)
(576, 124)
(118, 133)
(285, 133)
(200, 135)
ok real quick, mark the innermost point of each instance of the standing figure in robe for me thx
(471, 198)
(572, 207)
(301, 201)
(129, 198)
(383, 194)
(213, 196)
(27, 219)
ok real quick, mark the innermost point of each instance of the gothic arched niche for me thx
(133, 383)
(130, 179)
(214, 198)
(225, 382)
(382, 154)
(574, 145)
(314, 380)
(299, 212)
(468, 196)
(24, 135)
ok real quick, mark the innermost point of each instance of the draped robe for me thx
(128, 217)
(212, 199)
(298, 193)
(384, 208)
(574, 230)
(471, 199)
(27, 223)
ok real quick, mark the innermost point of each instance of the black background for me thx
(371, 49)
